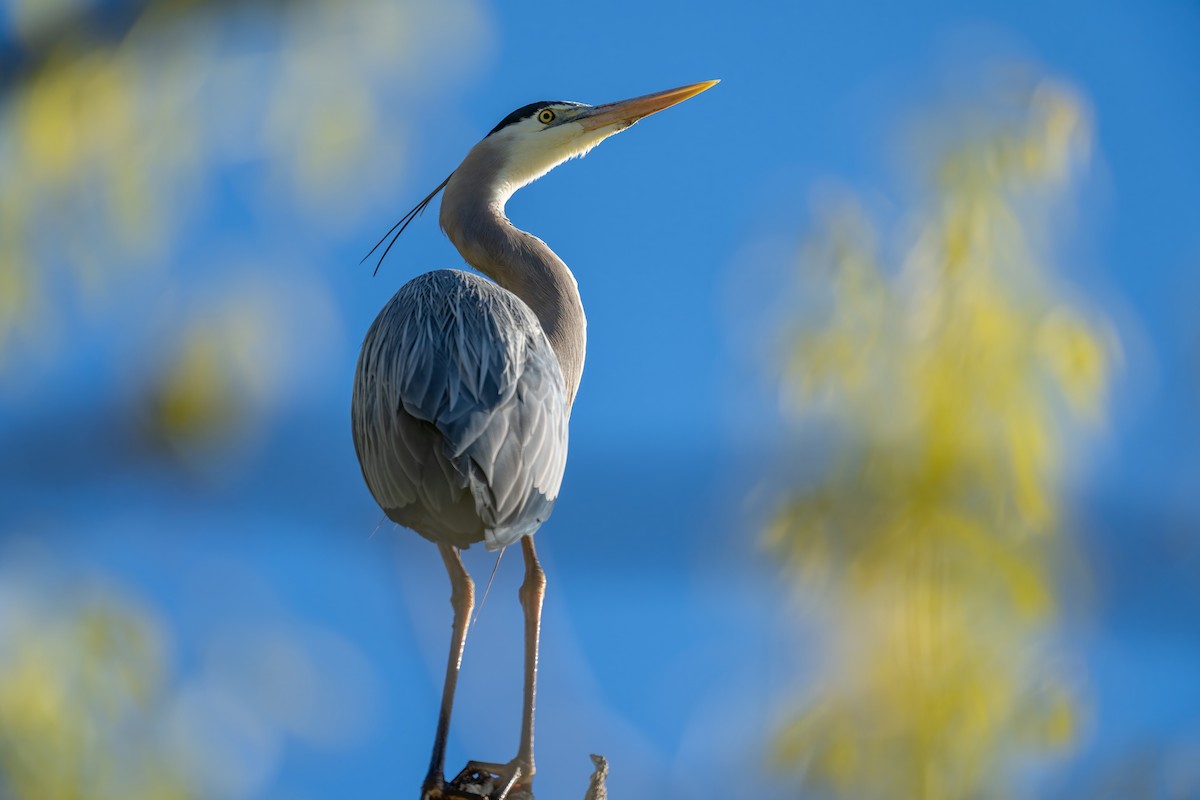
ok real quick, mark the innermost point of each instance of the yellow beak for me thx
(627, 112)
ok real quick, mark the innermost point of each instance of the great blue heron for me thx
(464, 386)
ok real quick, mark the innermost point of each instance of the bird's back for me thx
(459, 412)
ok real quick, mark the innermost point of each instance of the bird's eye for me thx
(545, 116)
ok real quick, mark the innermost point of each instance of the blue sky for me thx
(659, 645)
(653, 220)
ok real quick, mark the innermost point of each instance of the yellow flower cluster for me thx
(81, 705)
(951, 381)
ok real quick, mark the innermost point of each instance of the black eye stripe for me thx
(521, 113)
(531, 110)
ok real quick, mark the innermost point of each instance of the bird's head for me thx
(535, 138)
(526, 145)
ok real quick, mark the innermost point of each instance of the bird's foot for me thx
(487, 781)
(437, 789)
(433, 789)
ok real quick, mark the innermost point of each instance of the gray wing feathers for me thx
(459, 412)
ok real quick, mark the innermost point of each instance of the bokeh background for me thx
(885, 469)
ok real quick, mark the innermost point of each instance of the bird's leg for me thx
(518, 773)
(462, 598)
(533, 590)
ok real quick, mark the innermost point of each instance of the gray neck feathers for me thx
(473, 217)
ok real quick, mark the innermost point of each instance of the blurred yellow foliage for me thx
(80, 703)
(113, 139)
(198, 398)
(219, 364)
(93, 707)
(950, 382)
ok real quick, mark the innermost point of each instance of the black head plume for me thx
(403, 223)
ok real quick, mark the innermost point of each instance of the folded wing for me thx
(459, 412)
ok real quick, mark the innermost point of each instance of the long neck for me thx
(472, 215)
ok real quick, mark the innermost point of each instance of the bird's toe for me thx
(490, 781)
